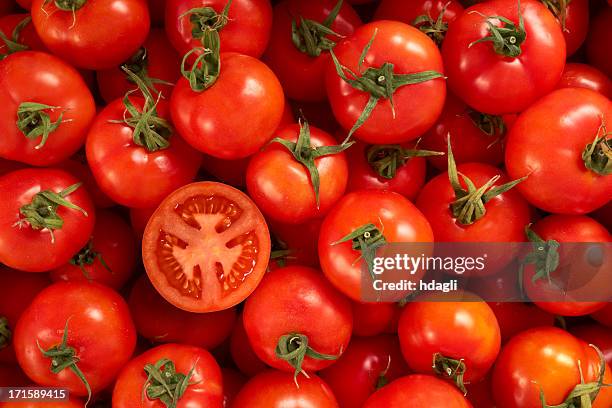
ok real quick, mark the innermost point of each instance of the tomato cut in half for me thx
(206, 247)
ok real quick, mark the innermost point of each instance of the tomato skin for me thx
(247, 123)
(27, 35)
(77, 166)
(365, 362)
(566, 186)
(598, 335)
(139, 217)
(317, 310)
(417, 390)
(277, 389)
(406, 12)
(32, 250)
(12, 376)
(371, 319)
(82, 41)
(303, 76)
(113, 239)
(163, 63)
(576, 75)
(480, 393)
(598, 40)
(516, 317)
(31, 76)
(495, 84)
(160, 322)
(71, 403)
(204, 391)
(416, 106)
(94, 312)
(130, 174)
(604, 315)
(247, 31)
(233, 381)
(300, 239)
(242, 353)
(281, 186)
(576, 25)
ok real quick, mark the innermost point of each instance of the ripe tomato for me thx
(295, 315)
(577, 75)
(392, 216)
(160, 322)
(70, 403)
(206, 247)
(164, 367)
(300, 60)
(92, 34)
(598, 335)
(418, 390)
(506, 75)
(156, 59)
(45, 108)
(242, 353)
(12, 376)
(19, 30)
(598, 41)
(276, 389)
(516, 317)
(407, 54)
(247, 123)
(77, 166)
(300, 240)
(480, 394)
(573, 17)
(72, 318)
(233, 381)
(371, 319)
(369, 363)
(573, 185)
(604, 315)
(7, 7)
(45, 218)
(108, 258)
(245, 29)
(290, 182)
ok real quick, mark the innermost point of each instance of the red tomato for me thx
(206, 247)
(173, 363)
(77, 166)
(366, 365)
(108, 258)
(160, 322)
(73, 317)
(71, 403)
(12, 376)
(577, 75)
(247, 123)
(394, 217)
(415, 107)
(242, 353)
(25, 4)
(418, 390)
(573, 17)
(371, 319)
(598, 41)
(276, 389)
(604, 215)
(139, 217)
(598, 335)
(92, 34)
(133, 169)
(516, 317)
(504, 77)
(296, 311)
(36, 91)
(533, 148)
(604, 315)
(156, 59)
(37, 234)
(157, 9)
(18, 29)
(301, 70)
(246, 29)
(6, 7)
(480, 394)
(233, 381)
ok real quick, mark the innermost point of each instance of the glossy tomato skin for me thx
(205, 388)
(576, 25)
(576, 75)
(247, 123)
(416, 106)
(562, 184)
(393, 214)
(93, 312)
(303, 76)
(516, 317)
(80, 38)
(203, 229)
(406, 12)
(78, 167)
(492, 83)
(281, 186)
(33, 250)
(598, 335)
(160, 322)
(31, 76)
(598, 40)
(163, 63)
(418, 390)
(247, 31)
(366, 362)
(113, 240)
(131, 174)
(242, 352)
(27, 36)
(277, 389)
(297, 299)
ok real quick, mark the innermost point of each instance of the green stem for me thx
(12, 44)
(293, 348)
(544, 256)
(34, 122)
(385, 160)
(138, 64)
(5, 333)
(506, 39)
(491, 125)
(164, 383)
(365, 239)
(597, 156)
(68, 5)
(310, 37)
(87, 256)
(434, 29)
(559, 9)
(451, 369)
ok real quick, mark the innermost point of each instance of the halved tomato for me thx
(206, 247)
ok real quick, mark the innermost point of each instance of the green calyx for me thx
(450, 369)
(365, 239)
(5, 332)
(385, 160)
(34, 122)
(310, 37)
(293, 348)
(559, 9)
(12, 44)
(491, 125)
(597, 156)
(469, 205)
(378, 82)
(68, 5)
(544, 257)
(41, 212)
(63, 356)
(304, 153)
(164, 383)
(138, 64)
(205, 20)
(434, 29)
(87, 256)
(507, 39)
